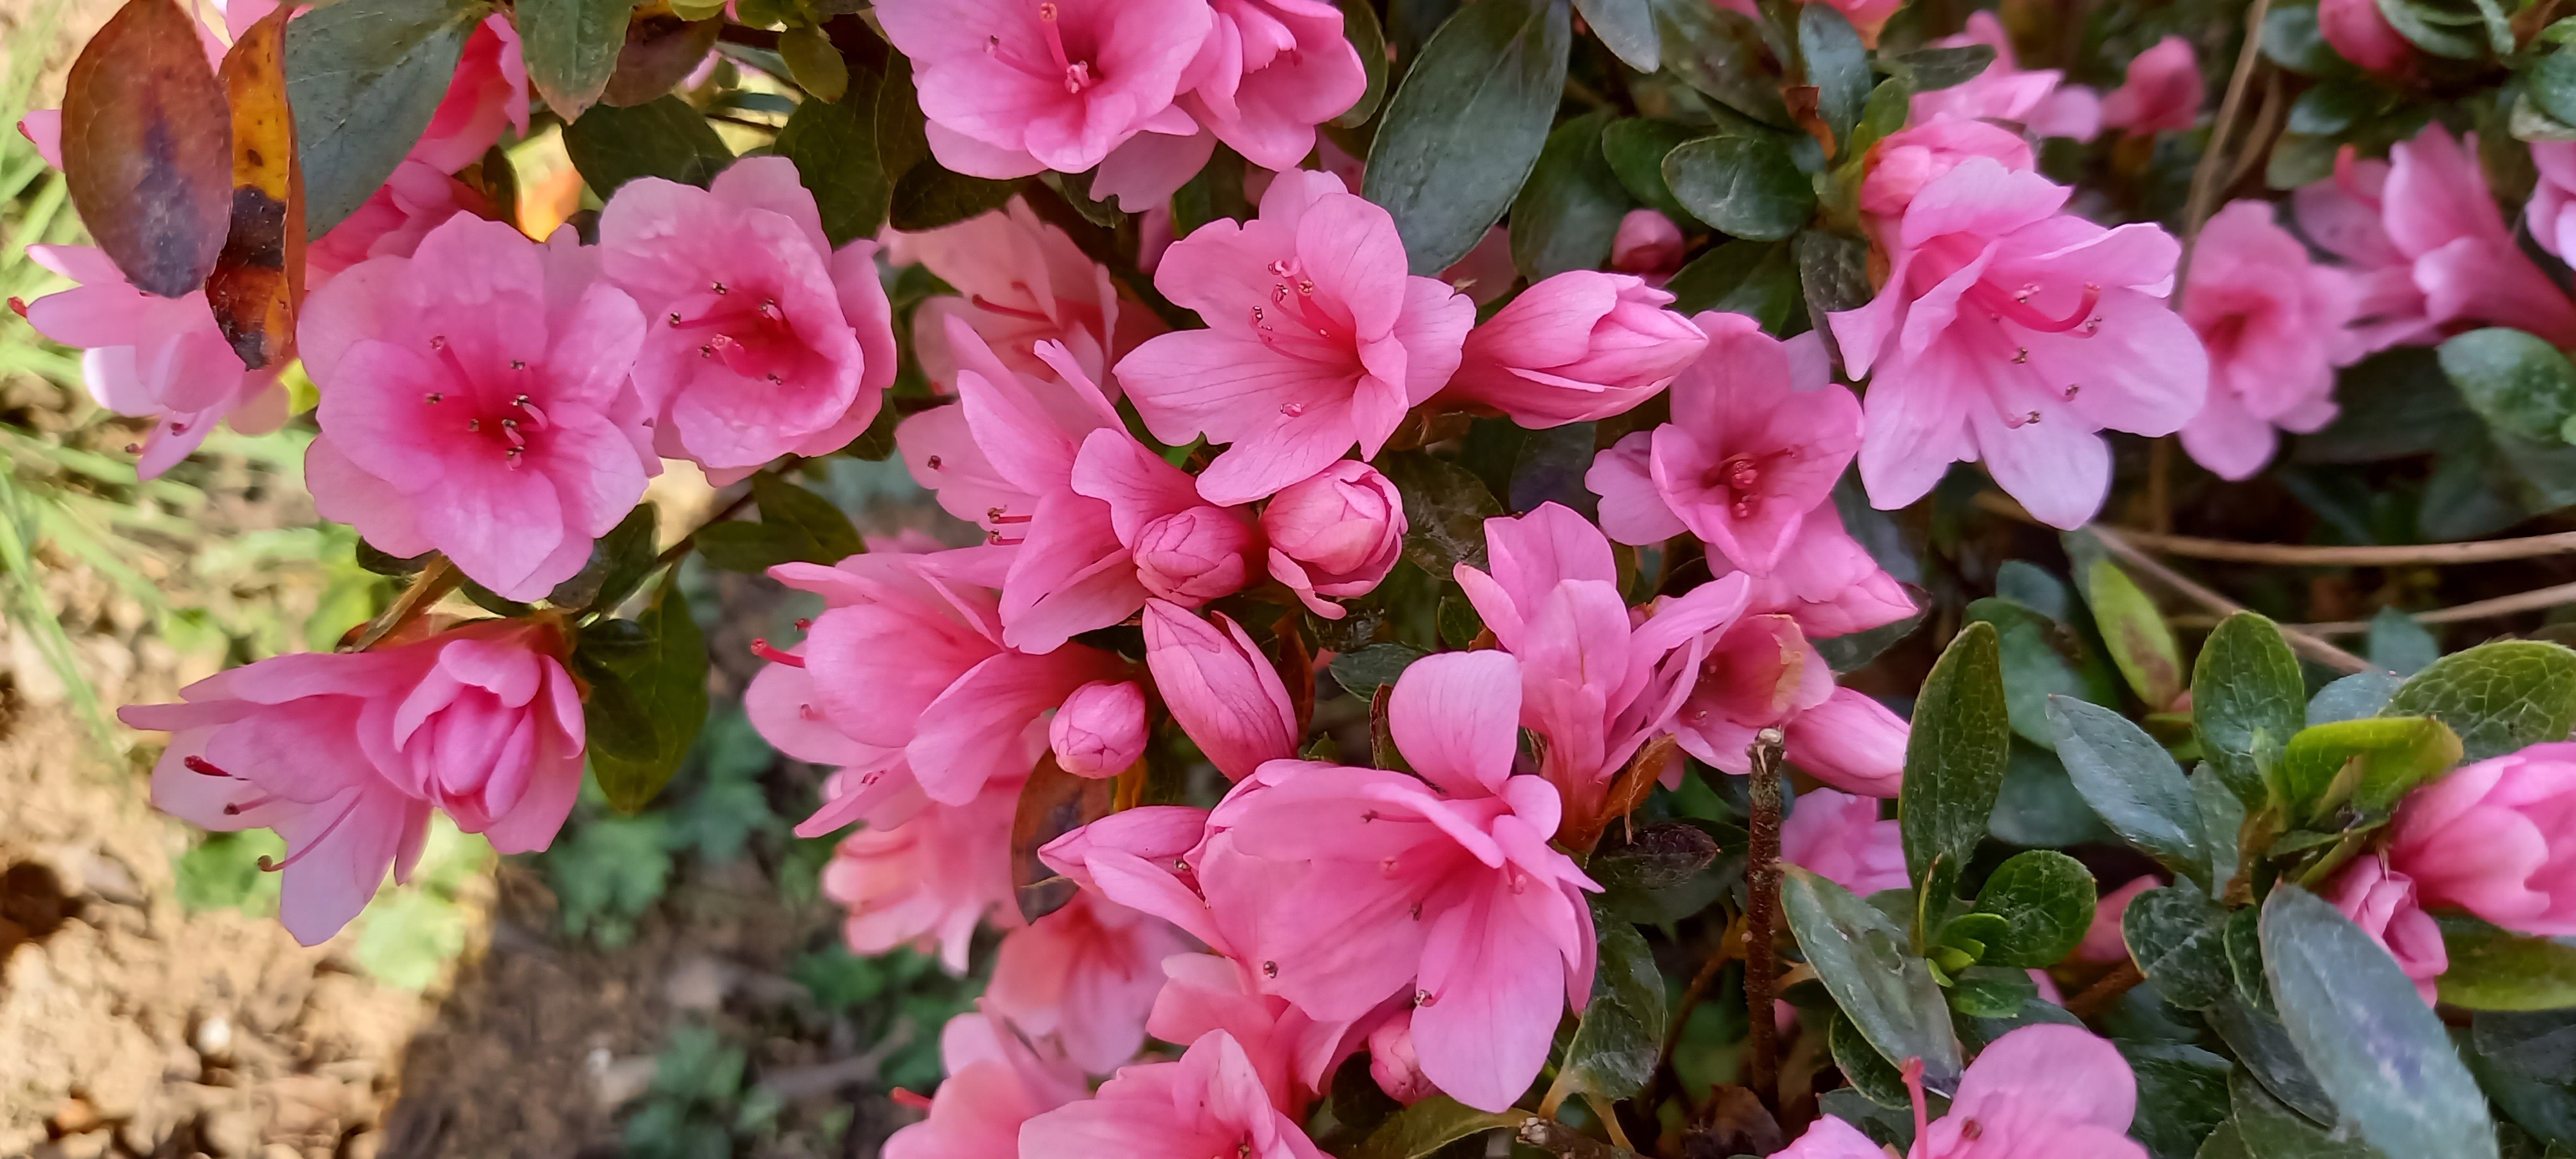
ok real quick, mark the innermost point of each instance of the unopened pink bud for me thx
(1100, 731)
(1648, 244)
(1193, 556)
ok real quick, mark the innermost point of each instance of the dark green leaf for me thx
(1550, 469)
(2353, 697)
(1833, 271)
(1445, 509)
(2222, 823)
(2293, 40)
(660, 52)
(796, 525)
(1635, 148)
(613, 643)
(2499, 697)
(1658, 856)
(2039, 805)
(2551, 84)
(2400, 644)
(663, 138)
(1621, 1036)
(1991, 992)
(1885, 113)
(2136, 634)
(2451, 28)
(1427, 1126)
(1359, 24)
(1837, 64)
(374, 559)
(1853, 651)
(928, 196)
(2383, 1057)
(2270, 1130)
(1459, 623)
(2046, 900)
(2246, 701)
(364, 78)
(2176, 935)
(1628, 28)
(814, 64)
(1570, 208)
(1362, 672)
(1868, 1072)
(1467, 124)
(1744, 186)
(1859, 954)
(1755, 278)
(2037, 666)
(667, 680)
(834, 146)
(1954, 761)
(571, 48)
(2518, 383)
(1721, 53)
(2182, 1096)
(2498, 969)
(2539, 1044)
(2132, 784)
(1932, 69)
(618, 563)
(2243, 945)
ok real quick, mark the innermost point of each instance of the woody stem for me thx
(427, 588)
(1762, 917)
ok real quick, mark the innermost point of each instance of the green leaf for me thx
(2383, 1057)
(1992, 992)
(2182, 1096)
(2247, 700)
(2269, 1130)
(1655, 857)
(2293, 39)
(663, 138)
(2458, 29)
(835, 149)
(2135, 632)
(928, 196)
(2046, 900)
(2368, 763)
(1427, 1126)
(1744, 186)
(2551, 84)
(2040, 660)
(1445, 509)
(1889, 106)
(1628, 28)
(1758, 279)
(1363, 672)
(2176, 935)
(1570, 208)
(2517, 382)
(618, 563)
(1360, 26)
(1837, 64)
(2499, 697)
(571, 48)
(2039, 806)
(2498, 969)
(1722, 54)
(364, 78)
(667, 683)
(796, 525)
(1635, 148)
(1868, 1072)
(2400, 644)
(1954, 762)
(1859, 954)
(2353, 697)
(1853, 651)
(1932, 69)
(1621, 1036)
(2132, 784)
(814, 64)
(1467, 124)
(2242, 943)
(1833, 270)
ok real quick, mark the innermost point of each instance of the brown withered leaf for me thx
(1627, 791)
(660, 52)
(147, 148)
(259, 278)
(1295, 659)
(1052, 804)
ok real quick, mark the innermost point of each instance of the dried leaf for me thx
(258, 282)
(147, 148)
(1052, 804)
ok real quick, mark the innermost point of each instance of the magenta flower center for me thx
(502, 415)
(1295, 324)
(1077, 73)
(1737, 476)
(753, 337)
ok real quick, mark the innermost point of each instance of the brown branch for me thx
(2100, 995)
(2393, 555)
(2557, 595)
(2204, 176)
(427, 588)
(1729, 943)
(1762, 917)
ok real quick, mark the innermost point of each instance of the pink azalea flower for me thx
(346, 754)
(2498, 839)
(489, 93)
(872, 783)
(1648, 245)
(2161, 94)
(763, 341)
(2011, 332)
(414, 201)
(2360, 33)
(2552, 210)
(1761, 672)
(1100, 731)
(1269, 72)
(908, 655)
(152, 357)
(1395, 1066)
(1595, 683)
(996, 1081)
(2035, 97)
(1185, 551)
(1317, 339)
(1367, 883)
(1084, 977)
(1579, 346)
(2382, 902)
(2431, 250)
(1840, 838)
(1221, 690)
(1146, 859)
(1013, 88)
(474, 401)
(1908, 160)
(926, 882)
(1336, 534)
(2052, 1090)
(1211, 1102)
(2274, 324)
(2104, 943)
(1020, 281)
(1294, 1054)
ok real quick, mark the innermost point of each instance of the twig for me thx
(1762, 916)
(1727, 944)
(2204, 176)
(2393, 555)
(2100, 995)
(2267, 125)
(2531, 601)
(675, 551)
(2160, 468)
(427, 588)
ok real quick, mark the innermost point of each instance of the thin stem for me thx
(2204, 176)
(1762, 917)
(2556, 595)
(2160, 469)
(427, 588)
(1728, 941)
(2098, 997)
(2393, 555)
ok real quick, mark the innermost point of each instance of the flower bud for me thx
(1394, 1065)
(1193, 556)
(2382, 902)
(1648, 245)
(1909, 160)
(1100, 731)
(1220, 688)
(2360, 33)
(2491, 838)
(1579, 346)
(1336, 534)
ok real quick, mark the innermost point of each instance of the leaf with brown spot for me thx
(1628, 791)
(1295, 660)
(258, 281)
(147, 148)
(1052, 804)
(660, 52)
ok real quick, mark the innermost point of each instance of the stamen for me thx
(1077, 74)
(1292, 409)
(2018, 310)
(994, 539)
(718, 287)
(473, 424)
(203, 767)
(804, 624)
(434, 397)
(806, 712)
(17, 305)
(932, 462)
(1913, 1074)
(266, 866)
(510, 456)
(535, 415)
(760, 647)
(2017, 422)
(899, 1096)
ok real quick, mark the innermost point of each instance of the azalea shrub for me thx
(1500, 584)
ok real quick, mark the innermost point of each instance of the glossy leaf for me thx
(2175, 934)
(2353, 697)
(1860, 956)
(835, 148)
(2040, 659)
(660, 52)
(1755, 278)
(1466, 126)
(1445, 509)
(571, 48)
(1621, 1036)
(1569, 210)
(664, 138)
(2515, 381)
(1990, 992)
(2269, 1130)
(1628, 28)
(2499, 697)
(1743, 186)
(1052, 804)
(1425, 1127)
(2140, 641)
(1868, 1072)
(1721, 53)
(2246, 701)
(1932, 69)
(1635, 148)
(2046, 900)
(2368, 763)
(2382, 1056)
(2400, 644)
(1837, 65)
(928, 196)
(2498, 969)
(148, 148)
(796, 525)
(2132, 784)
(1954, 761)
(365, 77)
(2182, 1096)
(1360, 26)
(814, 64)
(258, 282)
(1361, 673)
(619, 563)
(666, 679)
